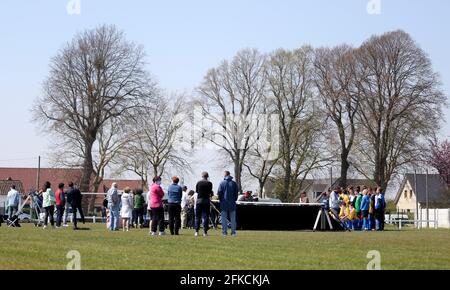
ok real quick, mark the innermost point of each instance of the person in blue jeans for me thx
(228, 194)
(365, 204)
(114, 207)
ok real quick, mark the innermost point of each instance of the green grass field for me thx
(35, 248)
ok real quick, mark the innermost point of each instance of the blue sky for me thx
(183, 39)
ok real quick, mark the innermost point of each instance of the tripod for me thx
(323, 216)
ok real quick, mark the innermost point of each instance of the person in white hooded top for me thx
(126, 211)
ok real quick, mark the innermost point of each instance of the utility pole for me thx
(417, 198)
(38, 173)
(331, 178)
(38, 176)
(426, 198)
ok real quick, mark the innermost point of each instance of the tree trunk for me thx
(88, 170)
(287, 181)
(344, 168)
(237, 175)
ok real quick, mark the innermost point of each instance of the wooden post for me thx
(417, 198)
(426, 199)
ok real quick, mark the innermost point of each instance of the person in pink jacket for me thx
(155, 204)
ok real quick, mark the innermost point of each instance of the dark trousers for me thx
(59, 214)
(190, 216)
(174, 218)
(74, 212)
(49, 211)
(138, 216)
(372, 220)
(379, 215)
(202, 211)
(158, 219)
(214, 217)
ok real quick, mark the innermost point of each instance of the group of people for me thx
(47, 202)
(357, 209)
(186, 209)
(61, 201)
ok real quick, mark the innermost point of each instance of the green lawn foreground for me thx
(35, 248)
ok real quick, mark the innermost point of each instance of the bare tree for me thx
(335, 80)
(290, 76)
(402, 103)
(95, 78)
(157, 142)
(112, 138)
(264, 153)
(230, 98)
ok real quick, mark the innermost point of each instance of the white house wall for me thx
(408, 203)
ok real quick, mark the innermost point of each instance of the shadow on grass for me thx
(82, 229)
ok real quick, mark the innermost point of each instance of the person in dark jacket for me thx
(139, 202)
(380, 205)
(174, 193)
(74, 197)
(204, 189)
(228, 194)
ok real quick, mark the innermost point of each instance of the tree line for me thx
(372, 108)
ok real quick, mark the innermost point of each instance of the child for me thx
(365, 204)
(352, 220)
(343, 215)
(126, 211)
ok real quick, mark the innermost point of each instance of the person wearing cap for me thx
(114, 207)
(204, 190)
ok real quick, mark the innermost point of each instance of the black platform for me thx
(278, 216)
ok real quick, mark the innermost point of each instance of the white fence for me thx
(441, 216)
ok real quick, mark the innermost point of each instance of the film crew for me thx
(60, 203)
(228, 194)
(114, 207)
(155, 197)
(75, 197)
(204, 190)
(48, 203)
(174, 193)
(334, 202)
(12, 202)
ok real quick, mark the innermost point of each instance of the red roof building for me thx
(28, 177)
